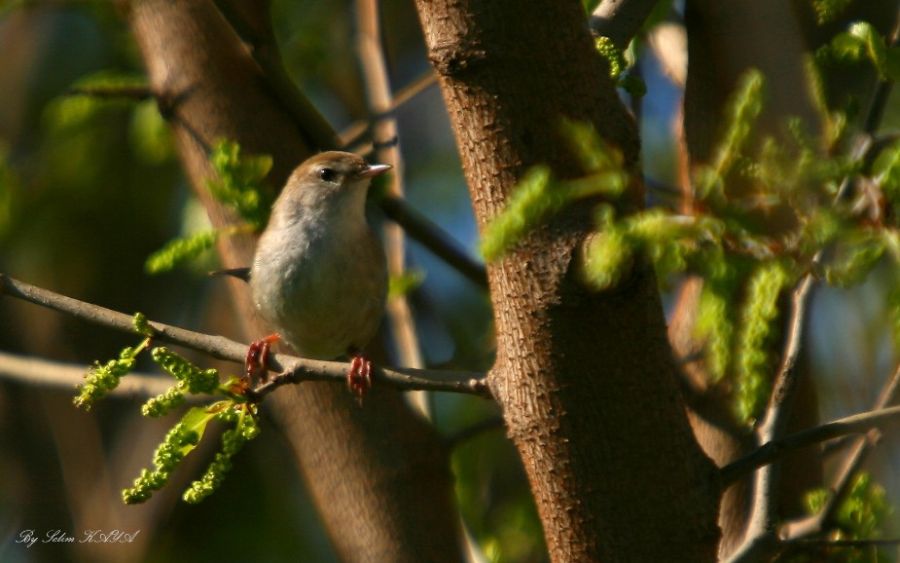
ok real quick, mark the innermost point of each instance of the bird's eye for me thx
(327, 174)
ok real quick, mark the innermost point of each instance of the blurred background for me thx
(88, 189)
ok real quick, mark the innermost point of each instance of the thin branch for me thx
(378, 93)
(826, 543)
(112, 92)
(474, 430)
(759, 539)
(47, 373)
(321, 136)
(620, 20)
(435, 239)
(264, 50)
(776, 449)
(357, 131)
(293, 369)
(882, 92)
(851, 464)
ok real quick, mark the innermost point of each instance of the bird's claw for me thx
(359, 377)
(256, 364)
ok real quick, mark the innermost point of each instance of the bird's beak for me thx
(374, 170)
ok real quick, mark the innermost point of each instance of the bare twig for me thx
(826, 543)
(760, 537)
(357, 131)
(293, 369)
(474, 430)
(112, 92)
(320, 135)
(378, 92)
(47, 373)
(851, 464)
(432, 237)
(620, 20)
(774, 450)
(261, 43)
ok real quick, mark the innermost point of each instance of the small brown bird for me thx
(319, 275)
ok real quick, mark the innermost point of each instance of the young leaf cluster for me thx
(238, 185)
(246, 427)
(191, 379)
(239, 182)
(618, 66)
(539, 196)
(103, 378)
(763, 212)
(184, 437)
(861, 516)
(234, 410)
(862, 42)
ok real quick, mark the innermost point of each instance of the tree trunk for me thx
(585, 379)
(379, 475)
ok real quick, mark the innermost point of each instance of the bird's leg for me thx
(359, 377)
(256, 364)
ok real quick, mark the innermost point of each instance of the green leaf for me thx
(606, 256)
(829, 10)
(854, 257)
(594, 154)
(180, 250)
(149, 133)
(195, 421)
(590, 6)
(530, 202)
(239, 184)
(74, 110)
(873, 44)
(408, 281)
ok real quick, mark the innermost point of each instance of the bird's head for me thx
(332, 182)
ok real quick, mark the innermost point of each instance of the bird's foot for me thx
(359, 377)
(256, 364)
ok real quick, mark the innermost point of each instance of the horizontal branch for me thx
(292, 369)
(772, 451)
(49, 373)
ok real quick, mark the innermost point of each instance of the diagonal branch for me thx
(776, 449)
(378, 94)
(759, 538)
(293, 369)
(851, 464)
(313, 126)
(358, 131)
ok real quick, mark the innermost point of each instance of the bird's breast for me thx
(323, 293)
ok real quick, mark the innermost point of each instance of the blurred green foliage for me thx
(861, 515)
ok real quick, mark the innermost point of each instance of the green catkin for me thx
(756, 333)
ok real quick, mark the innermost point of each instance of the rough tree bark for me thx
(379, 476)
(585, 379)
